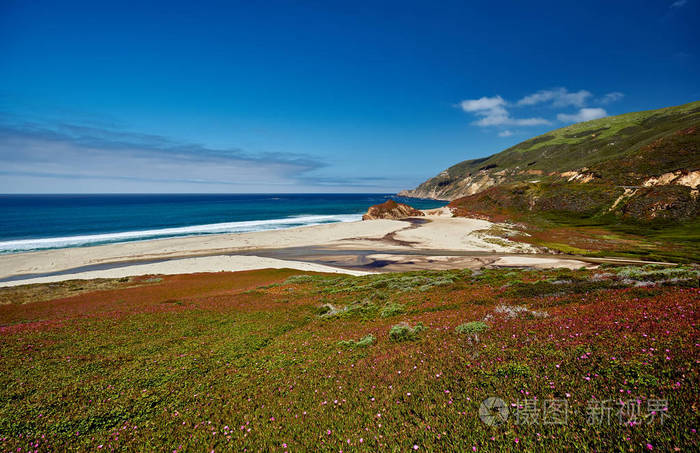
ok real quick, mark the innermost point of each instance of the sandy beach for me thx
(434, 241)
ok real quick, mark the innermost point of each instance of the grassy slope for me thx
(234, 361)
(580, 145)
(594, 237)
(656, 223)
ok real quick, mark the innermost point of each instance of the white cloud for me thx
(483, 104)
(585, 114)
(611, 97)
(528, 121)
(504, 119)
(493, 112)
(78, 157)
(678, 3)
(558, 97)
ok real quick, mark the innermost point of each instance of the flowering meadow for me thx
(278, 360)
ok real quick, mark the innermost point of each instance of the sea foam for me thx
(24, 245)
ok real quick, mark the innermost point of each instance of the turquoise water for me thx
(35, 222)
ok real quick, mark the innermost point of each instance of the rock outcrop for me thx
(391, 210)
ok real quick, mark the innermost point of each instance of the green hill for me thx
(588, 168)
(638, 172)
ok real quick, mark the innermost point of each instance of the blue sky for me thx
(314, 96)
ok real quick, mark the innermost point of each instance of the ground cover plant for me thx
(603, 359)
(471, 327)
(604, 237)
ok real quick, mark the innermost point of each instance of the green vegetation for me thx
(300, 279)
(392, 309)
(618, 150)
(247, 361)
(660, 273)
(472, 327)
(598, 237)
(404, 332)
(612, 126)
(358, 309)
(597, 174)
(367, 340)
(514, 370)
(392, 282)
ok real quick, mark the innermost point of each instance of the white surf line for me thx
(21, 245)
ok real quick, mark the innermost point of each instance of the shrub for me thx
(364, 308)
(404, 332)
(513, 311)
(363, 342)
(435, 283)
(657, 273)
(472, 327)
(392, 309)
(392, 282)
(380, 295)
(327, 310)
(296, 279)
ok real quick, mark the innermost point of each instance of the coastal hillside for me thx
(641, 166)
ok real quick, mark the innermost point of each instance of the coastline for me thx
(436, 241)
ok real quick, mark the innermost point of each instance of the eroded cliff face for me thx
(644, 200)
(680, 178)
(670, 196)
(442, 187)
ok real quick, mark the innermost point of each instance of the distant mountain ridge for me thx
(641, 166)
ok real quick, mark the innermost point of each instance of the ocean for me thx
(37, 222)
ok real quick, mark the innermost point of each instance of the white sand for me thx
(188, 266)
(318, 235)
(451, 234)
(209, 253)
(541, 262)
